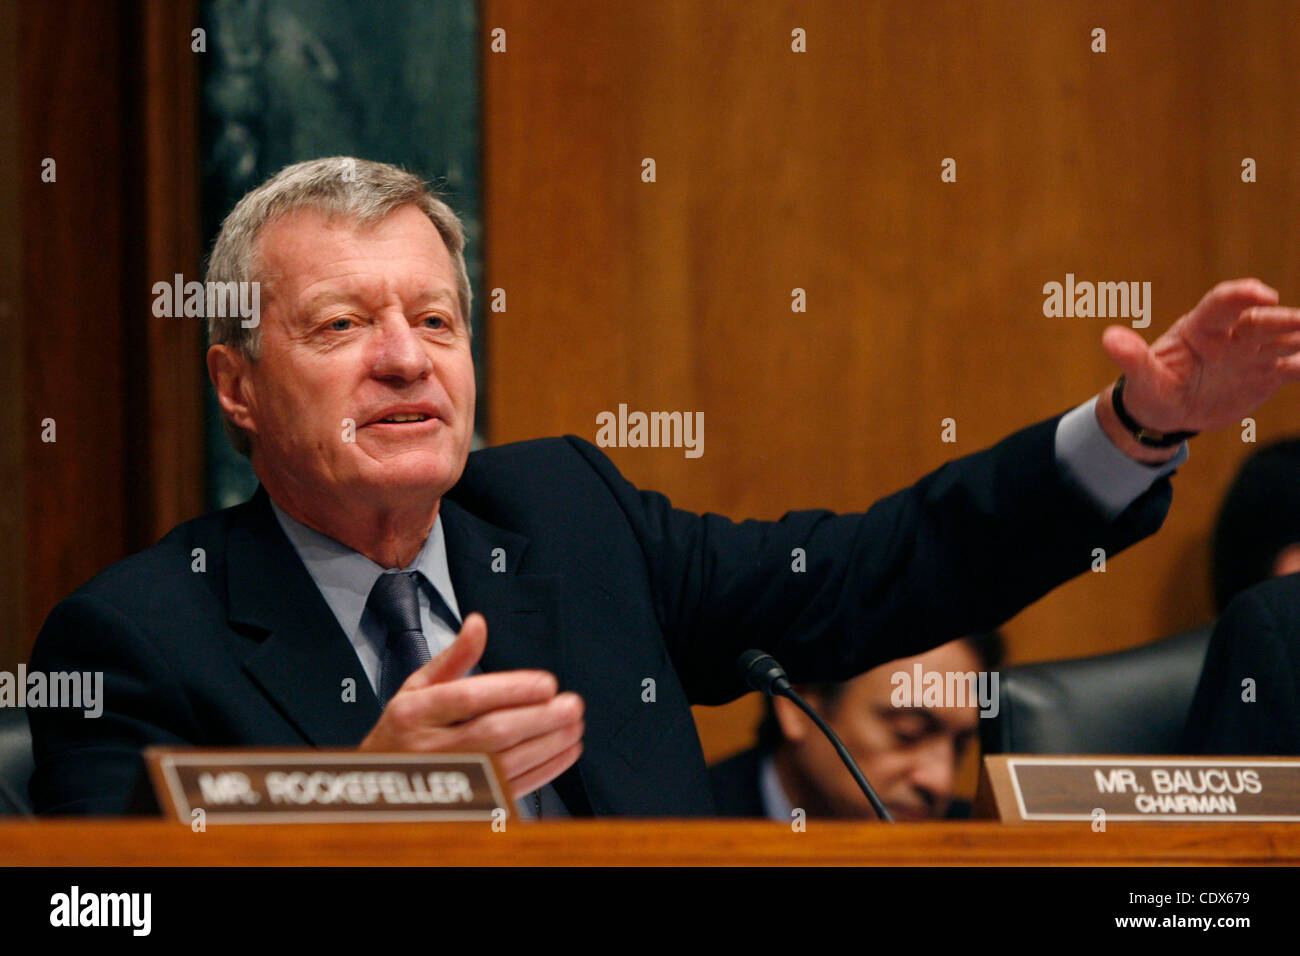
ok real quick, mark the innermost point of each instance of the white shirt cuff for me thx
(1097, 467)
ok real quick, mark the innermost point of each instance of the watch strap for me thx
(1145, 436)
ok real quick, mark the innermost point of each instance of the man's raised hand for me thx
(1217, 363)
(535, 733)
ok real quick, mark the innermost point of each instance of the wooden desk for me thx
(622, 842)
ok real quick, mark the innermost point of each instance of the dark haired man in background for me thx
(1257, 532)
(1248, 699)
(910, 754)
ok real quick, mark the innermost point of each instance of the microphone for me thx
(762, 672)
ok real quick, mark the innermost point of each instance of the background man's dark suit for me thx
(1258, 637)
(605, 586)
(737, 790)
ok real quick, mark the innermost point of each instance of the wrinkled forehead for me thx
(370, 293)
(309, 261)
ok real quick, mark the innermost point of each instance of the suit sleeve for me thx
(1257, 640)
(831, 596)
(92, 765)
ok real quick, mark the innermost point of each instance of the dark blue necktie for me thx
(395, 601)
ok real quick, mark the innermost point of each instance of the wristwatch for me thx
(1149, 438)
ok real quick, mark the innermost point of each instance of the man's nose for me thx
(936, 769)
(399, 352)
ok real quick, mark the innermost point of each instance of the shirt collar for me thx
(775, 802)
(346, 577)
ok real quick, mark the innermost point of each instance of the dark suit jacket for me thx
(737, 791)
(605, 586)
(1258, 637)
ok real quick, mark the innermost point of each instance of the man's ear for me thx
(794, 723)
(229, 371)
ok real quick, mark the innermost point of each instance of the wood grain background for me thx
(111, 101)
(821, 170)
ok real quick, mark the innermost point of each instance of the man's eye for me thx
(909, 731)
(435, 321)
(340, 325)
(905, 738)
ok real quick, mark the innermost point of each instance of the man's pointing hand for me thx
(535, 733)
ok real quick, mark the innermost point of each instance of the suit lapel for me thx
(523, 611)
(304, 658)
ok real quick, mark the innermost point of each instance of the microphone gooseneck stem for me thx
(790, 694)
(763, 673)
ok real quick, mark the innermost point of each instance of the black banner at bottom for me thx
(334, 906)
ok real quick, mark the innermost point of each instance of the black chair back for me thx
(15, 762)
(1130, 702)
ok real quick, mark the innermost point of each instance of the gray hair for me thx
(359, 190)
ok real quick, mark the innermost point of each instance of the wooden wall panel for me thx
(72, 308)
(13, 537)
(106, 91)
(166, 456)
(821, 170)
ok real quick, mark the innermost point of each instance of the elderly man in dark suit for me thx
(350, 601)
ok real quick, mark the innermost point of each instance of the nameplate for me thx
(1166, 789)
(268, 785)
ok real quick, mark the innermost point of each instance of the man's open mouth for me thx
(400, 419)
